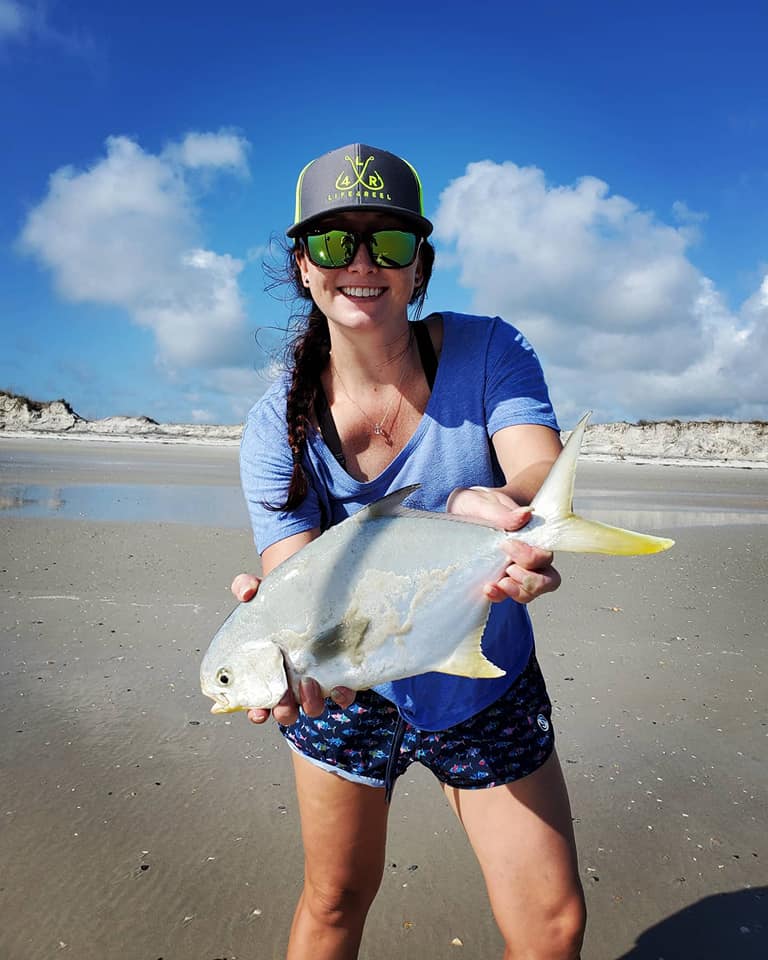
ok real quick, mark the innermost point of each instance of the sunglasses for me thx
(390, 249)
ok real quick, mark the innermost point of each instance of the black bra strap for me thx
(426, 351)
(328, 426)
(323, 413)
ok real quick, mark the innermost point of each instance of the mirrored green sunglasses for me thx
(390, 249)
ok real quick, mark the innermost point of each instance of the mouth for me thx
(220, 707)
(362, 293)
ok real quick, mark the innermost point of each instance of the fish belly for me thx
(393, 600)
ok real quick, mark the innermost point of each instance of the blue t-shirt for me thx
(488, 377)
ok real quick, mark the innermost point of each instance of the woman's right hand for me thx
(245, 586)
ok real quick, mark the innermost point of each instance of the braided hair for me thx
(310, 353)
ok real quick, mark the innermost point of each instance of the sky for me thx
(597, 173)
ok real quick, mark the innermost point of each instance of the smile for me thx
(362, 291)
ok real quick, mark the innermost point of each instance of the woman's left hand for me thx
(530, 572)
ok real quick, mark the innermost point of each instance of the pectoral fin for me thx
(468, 659)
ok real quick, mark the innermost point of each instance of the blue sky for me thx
(597, 173)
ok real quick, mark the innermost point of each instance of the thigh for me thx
(522, 835)
(343, 826)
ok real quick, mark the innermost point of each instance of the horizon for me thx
(598, 180)
(37, 403)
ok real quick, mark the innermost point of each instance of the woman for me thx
(375, 402)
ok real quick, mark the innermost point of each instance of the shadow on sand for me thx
(725, 926)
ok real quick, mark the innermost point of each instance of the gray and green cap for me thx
(358, 178)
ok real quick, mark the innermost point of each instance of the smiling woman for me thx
(374, 402)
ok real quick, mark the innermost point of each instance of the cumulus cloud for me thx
(624, 322)
(125, 232)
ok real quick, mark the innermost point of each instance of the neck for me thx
(375, 357)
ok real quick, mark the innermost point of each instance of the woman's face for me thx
(361, 295)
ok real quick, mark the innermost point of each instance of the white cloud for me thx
(26, 22)
(14, 19)
(623, 321)
(125, 232)
(212, 150)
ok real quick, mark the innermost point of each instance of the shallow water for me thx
(132, 482)
(202, 504)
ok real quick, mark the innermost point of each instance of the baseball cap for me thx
(358, 178)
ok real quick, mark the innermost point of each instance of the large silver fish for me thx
(390, 593)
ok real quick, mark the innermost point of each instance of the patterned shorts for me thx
(369, 742)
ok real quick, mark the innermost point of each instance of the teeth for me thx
(362, 291)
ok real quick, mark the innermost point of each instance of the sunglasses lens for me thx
(335, 248)
(387, 248)
(393, 248)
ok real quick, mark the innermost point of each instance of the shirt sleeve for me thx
(266, 465)
(515, 389)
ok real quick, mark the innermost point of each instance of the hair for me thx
(309, 353)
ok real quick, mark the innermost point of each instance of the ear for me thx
(301, 261)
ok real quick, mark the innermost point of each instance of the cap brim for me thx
(423, 226)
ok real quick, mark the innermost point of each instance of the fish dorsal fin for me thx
(555, 497)
(389, 506)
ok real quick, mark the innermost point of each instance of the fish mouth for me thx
(221, 703)
(219, 707)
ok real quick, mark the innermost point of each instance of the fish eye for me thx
(223, 676)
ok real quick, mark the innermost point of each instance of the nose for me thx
(362, 262)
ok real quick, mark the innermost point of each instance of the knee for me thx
(566, 929)
(552, 931)
(337, 903)
(562, 931)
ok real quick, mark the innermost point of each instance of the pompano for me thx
(390, 593)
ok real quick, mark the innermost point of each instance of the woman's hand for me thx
(530, 572)
(245, 586)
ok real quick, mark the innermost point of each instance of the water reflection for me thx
(651, 521)
(223, 505)
(199, 504)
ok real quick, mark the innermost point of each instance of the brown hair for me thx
(309, 353)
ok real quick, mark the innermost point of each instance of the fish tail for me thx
(559, 528)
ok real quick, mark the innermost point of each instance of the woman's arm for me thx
(525, 453)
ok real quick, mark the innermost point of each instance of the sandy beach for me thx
(137, 825)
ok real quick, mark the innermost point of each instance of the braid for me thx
(310, 357)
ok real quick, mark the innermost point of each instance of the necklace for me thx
(379, 429)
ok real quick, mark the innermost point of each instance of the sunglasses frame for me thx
(362, 237)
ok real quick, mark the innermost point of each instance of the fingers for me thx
(491, 506)
(523, 585)
(312, 703)
(528, 576)
(245, 586)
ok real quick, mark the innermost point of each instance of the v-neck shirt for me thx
(488, 377)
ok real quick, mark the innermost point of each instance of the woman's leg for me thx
(522, 835)
(344, 826)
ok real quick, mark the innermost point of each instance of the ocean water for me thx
(196, 484)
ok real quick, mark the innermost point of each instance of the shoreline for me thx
(234, 443)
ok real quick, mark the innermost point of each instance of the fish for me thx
(391, 592)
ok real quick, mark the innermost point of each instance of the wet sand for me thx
(137, 825)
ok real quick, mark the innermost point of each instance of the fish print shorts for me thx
(369, 742)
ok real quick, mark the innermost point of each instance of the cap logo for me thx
(372, 181)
